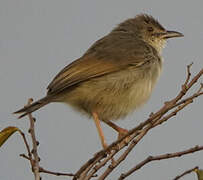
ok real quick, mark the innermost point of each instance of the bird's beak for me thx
(171, 34)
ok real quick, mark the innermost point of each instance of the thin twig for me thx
(25, 156)
(188, 73)
(85, 173)
(186, 172)
(42, 170)
(103, 163)
(34, 144)
(124, 155)
(28, 149)
(34, 161)
(160, 157)
(173, 113)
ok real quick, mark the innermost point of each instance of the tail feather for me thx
(33, 107)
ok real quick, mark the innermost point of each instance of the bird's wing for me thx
(97, 62)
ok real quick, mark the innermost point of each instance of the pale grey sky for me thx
(39, 37)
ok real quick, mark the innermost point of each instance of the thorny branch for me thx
(136, 134)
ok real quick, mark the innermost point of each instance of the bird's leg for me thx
(99, 129)
(121, 131)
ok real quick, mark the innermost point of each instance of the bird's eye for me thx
(150, 29)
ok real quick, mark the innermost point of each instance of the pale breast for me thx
(142, 88)
(115, 95)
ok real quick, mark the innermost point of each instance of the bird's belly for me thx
(112, 96)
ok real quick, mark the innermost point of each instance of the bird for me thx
(114, 77)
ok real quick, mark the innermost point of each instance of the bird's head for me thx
(149, 30)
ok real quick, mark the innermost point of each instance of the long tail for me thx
(33, 107)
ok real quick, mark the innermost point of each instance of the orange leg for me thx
(99, 129)
(121, 131)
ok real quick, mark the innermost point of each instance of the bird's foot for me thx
(121, 133)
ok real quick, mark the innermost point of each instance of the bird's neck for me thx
(157, 44)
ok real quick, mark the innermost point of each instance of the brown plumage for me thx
(115, 76)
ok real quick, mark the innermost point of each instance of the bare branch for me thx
(188, 73)
(42, 170)
(124, 155)
(35, 166)
(160, 157)
(28, 149)
(186, 172)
